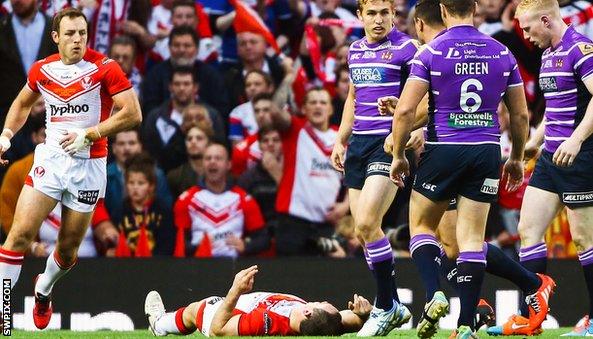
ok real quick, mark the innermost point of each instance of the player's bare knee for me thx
(366, 230)
(451, 250)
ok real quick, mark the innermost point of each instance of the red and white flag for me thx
(247, 20)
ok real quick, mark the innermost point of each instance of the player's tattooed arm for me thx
(224, 323)
(570, 148)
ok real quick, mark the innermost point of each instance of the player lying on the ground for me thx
(255, 314)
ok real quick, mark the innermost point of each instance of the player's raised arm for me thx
(128, 116)
(281, 118)
(224, 323)
(337, 156)
(570, 148)
(16, 118)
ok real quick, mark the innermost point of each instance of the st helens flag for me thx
(247, 20)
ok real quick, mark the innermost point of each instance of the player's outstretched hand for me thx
(360, 306)
(416, 139)
(400, 168)
(512, 173)
(4, 146)
(74, 140)
(244, 280)
(337, 157)
(386, 105)
(567, 152)
(388, 144)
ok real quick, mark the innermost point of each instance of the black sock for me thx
(471, 267)
(586, 259)
(501, 265)
(394, 284)
(382, 259)
(449, 271)
(426, 253)
(534, 259)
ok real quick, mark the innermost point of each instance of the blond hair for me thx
(550, 7)
(360, 3)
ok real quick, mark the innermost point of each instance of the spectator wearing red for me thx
(308, 192)
(219, 214)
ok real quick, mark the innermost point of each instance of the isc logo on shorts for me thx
(88, 197)
(574, 197)
(490, 186)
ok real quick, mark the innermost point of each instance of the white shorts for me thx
(206, 313)
(77, 182)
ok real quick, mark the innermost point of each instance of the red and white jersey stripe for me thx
(77, 96)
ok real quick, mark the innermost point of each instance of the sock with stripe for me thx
(425, 251)
(586, 259)
(10, 265)
(172, 323)
(449, 270)
(55, 268)
(471, 267)
(394, 287)
(534, 259)
(500, 265)
(381, 257)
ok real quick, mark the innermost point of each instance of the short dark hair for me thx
(184, 3)
(124, 40)
(322, 323)
(141, 163)
(341, 68)
(69, 12)
(262, 96)
(226, 148)
(315, 89)
(135, 130)
(267, 78)
(184, 30)
(264, 130)
(183, 70)
(429, 11)
(459, 8)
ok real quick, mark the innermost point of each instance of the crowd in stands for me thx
(232, 157)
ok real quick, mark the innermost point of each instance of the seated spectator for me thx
(308, 192)
(125, 145)
(187, 175)
(242, 117)
(146, 226)
(198, 114)
(123, 50)
(247, 153)
(251, 49)
(162, 127)
(183, 46)
(261, 181)
(217, 218)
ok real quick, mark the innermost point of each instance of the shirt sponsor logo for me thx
(355, 56)
(366, 75)
(88, 197)
(369, 55)
(548, 84)
(39, 171)
(429, 187)
(453, 54)
(68, 109)
(379, 167)
(586, 48)
(576, 197)
(320, 168)
(471, 120)
(490, 186)
(547, 64)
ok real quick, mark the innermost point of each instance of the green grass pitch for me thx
(145, 334)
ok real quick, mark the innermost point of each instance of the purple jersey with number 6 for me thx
(563, 71)
(378, 70)
(468, 73)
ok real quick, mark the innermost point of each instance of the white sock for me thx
(166, 324)
(10, 265)
(53, 272)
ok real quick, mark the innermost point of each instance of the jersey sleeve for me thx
(254, 219)
(514, 73)
(181, 215)
(420, 69)
(408, 56)
(252, 323)
(33, 76)
(583, 60)
(115, 80)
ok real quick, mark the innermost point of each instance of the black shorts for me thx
(446, 171)
(574, 184)
(365, 157)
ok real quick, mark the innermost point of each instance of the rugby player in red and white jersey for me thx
(80, 88)
(242, 313)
